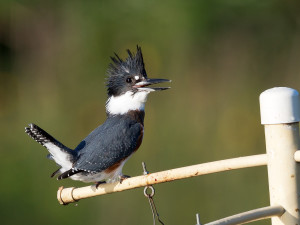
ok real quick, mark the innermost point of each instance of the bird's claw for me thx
(123, 177)
(100, 182)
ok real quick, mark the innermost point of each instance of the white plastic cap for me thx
(279, 105)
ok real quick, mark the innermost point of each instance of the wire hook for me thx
(151, 194)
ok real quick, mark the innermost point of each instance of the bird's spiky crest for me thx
(134, 64)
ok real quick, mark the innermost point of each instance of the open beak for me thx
(143, 85)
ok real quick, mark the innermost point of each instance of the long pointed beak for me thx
(142, 85)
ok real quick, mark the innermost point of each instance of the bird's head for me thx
(128, 84)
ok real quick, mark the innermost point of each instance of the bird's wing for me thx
(108, 145)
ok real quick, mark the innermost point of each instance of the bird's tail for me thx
(61, 154)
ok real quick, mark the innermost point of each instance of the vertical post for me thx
(280, 115)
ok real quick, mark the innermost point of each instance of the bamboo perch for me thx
(72, 194)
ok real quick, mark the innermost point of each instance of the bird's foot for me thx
(100, 182)
(123, 177)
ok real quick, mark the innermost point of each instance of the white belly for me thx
(113, 176)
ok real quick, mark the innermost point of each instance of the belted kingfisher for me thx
(101, 156)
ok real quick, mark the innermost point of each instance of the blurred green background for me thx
(220, 55)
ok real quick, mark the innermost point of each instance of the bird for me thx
(100, 157)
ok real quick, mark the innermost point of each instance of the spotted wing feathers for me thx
(68, 173)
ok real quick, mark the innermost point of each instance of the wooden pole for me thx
(72, 194)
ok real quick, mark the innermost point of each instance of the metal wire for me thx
(152, 204)
(198, 219)
(150, 195)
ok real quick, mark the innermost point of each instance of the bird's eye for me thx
(128, 80)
